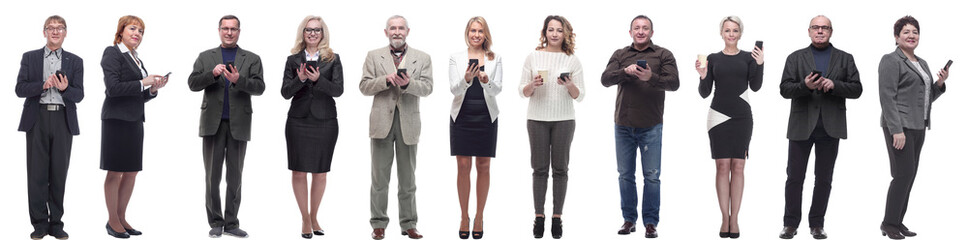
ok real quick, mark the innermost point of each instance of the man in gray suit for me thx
(818, 117)
(229, 76)
(396, 76)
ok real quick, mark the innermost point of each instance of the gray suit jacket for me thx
(902, 93)
(386, 98)
(808, 106)
(240, 104)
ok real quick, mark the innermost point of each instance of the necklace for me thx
(729, 53)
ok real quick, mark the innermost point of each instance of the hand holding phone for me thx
(946, 66)
(565, 77)
(642, 64)
(401, 72)
(311, 66)
(759, 44)
(229, 66)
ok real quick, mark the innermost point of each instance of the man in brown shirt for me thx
(638, 119)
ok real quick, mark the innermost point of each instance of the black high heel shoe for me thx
(906, 232)
(538, 229)
(891, 232)
(116, 234)
(724, 234)
(556, 227)
(478, 234)
(464, 234)
(319, 232)
(307, 235)
(734, 235)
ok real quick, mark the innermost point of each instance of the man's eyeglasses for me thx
(818, 27)
(55, 29)
(228, 29)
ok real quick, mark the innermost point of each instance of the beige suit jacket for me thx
(387, 98)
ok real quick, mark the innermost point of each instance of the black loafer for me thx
(132, 232)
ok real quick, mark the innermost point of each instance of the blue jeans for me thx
(649, 142)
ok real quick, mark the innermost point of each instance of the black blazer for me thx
(808, 106)
(310, 97)
(124, 98)
(30, 85)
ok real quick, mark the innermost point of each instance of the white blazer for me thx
(494, 71)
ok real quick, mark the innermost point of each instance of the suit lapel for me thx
(387, 61)
(808, 58)
(39, 69)
(835, 58)
(130, 60)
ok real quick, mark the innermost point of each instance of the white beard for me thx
(397, 44)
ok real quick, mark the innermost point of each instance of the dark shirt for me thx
(640, 104)
(821, 58)
(228, 55)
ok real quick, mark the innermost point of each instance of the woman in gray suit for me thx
(906, 93)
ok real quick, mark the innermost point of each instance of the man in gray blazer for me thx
(395, 122)
(818, 117)
(229, 76)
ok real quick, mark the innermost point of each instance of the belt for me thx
(52, 107)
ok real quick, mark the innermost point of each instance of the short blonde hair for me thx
(325, 53)
(734, 19)
(124, 22)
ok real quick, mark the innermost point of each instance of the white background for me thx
(169, 198)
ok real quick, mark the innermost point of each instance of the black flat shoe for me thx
(132, 232)
(734, 235)
(115, 234)
(538, 229)
(319, 232)
(723, 234)
(556, 227)
(307, 235)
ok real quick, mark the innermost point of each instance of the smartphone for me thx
(166, 75)
(227, 68)
(946, 66)
(401, 72)
(759, 44)
(311, 66)
(472, 62)
(60, 73)
(481, 68)
(642, 64)
(817, 72)
(565, 75)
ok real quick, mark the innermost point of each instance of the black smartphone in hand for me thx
(166, 75)
(60, 73)
(472, 62)
(401, 72)
(946, 66)
(227, 66)
(481, 68)
(642, 64)
(818, 73)
(759, 44)
(311, 66)
(565, 76)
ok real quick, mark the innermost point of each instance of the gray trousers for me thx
(550, 145)
(382, 152)
(217, 149)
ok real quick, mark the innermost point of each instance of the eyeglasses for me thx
(228, 29)
(818, 27)
(313, 30)
(55, 29)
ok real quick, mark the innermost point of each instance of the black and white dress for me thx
(730, 122)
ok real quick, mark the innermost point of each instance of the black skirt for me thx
(473, 134)
(731, 139)
(310, 143)
(122, 143)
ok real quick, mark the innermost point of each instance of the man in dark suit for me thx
(817, 117)
(230, 76)
(52, 81)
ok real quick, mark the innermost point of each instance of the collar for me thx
(396, 52)
(829, 47)
(124, 49)
(311, 56)
(647, 47)
(57, 53)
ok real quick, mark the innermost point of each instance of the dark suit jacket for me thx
(30, 85)
(902, 93)
(806, 104)
(124, 98)
(240, 103)
(310, 97)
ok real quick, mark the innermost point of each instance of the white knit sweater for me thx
(551, 101)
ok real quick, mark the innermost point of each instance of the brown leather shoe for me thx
(650, 231)
(627, 228)
(378, 233)
(412, 233)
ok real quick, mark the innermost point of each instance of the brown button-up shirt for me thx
(640, 104)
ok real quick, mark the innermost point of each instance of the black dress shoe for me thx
(307, 235)
(891, 232)
(734, 235)
(907, 233)
(650, 231)
(627, 228)
(723, 234)
(788, 232)
(538, 229)
(59, 234)
(818, 233)
(132, 231)
(319, 232)
(38, 234)
(556, 227)
(115, 234)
